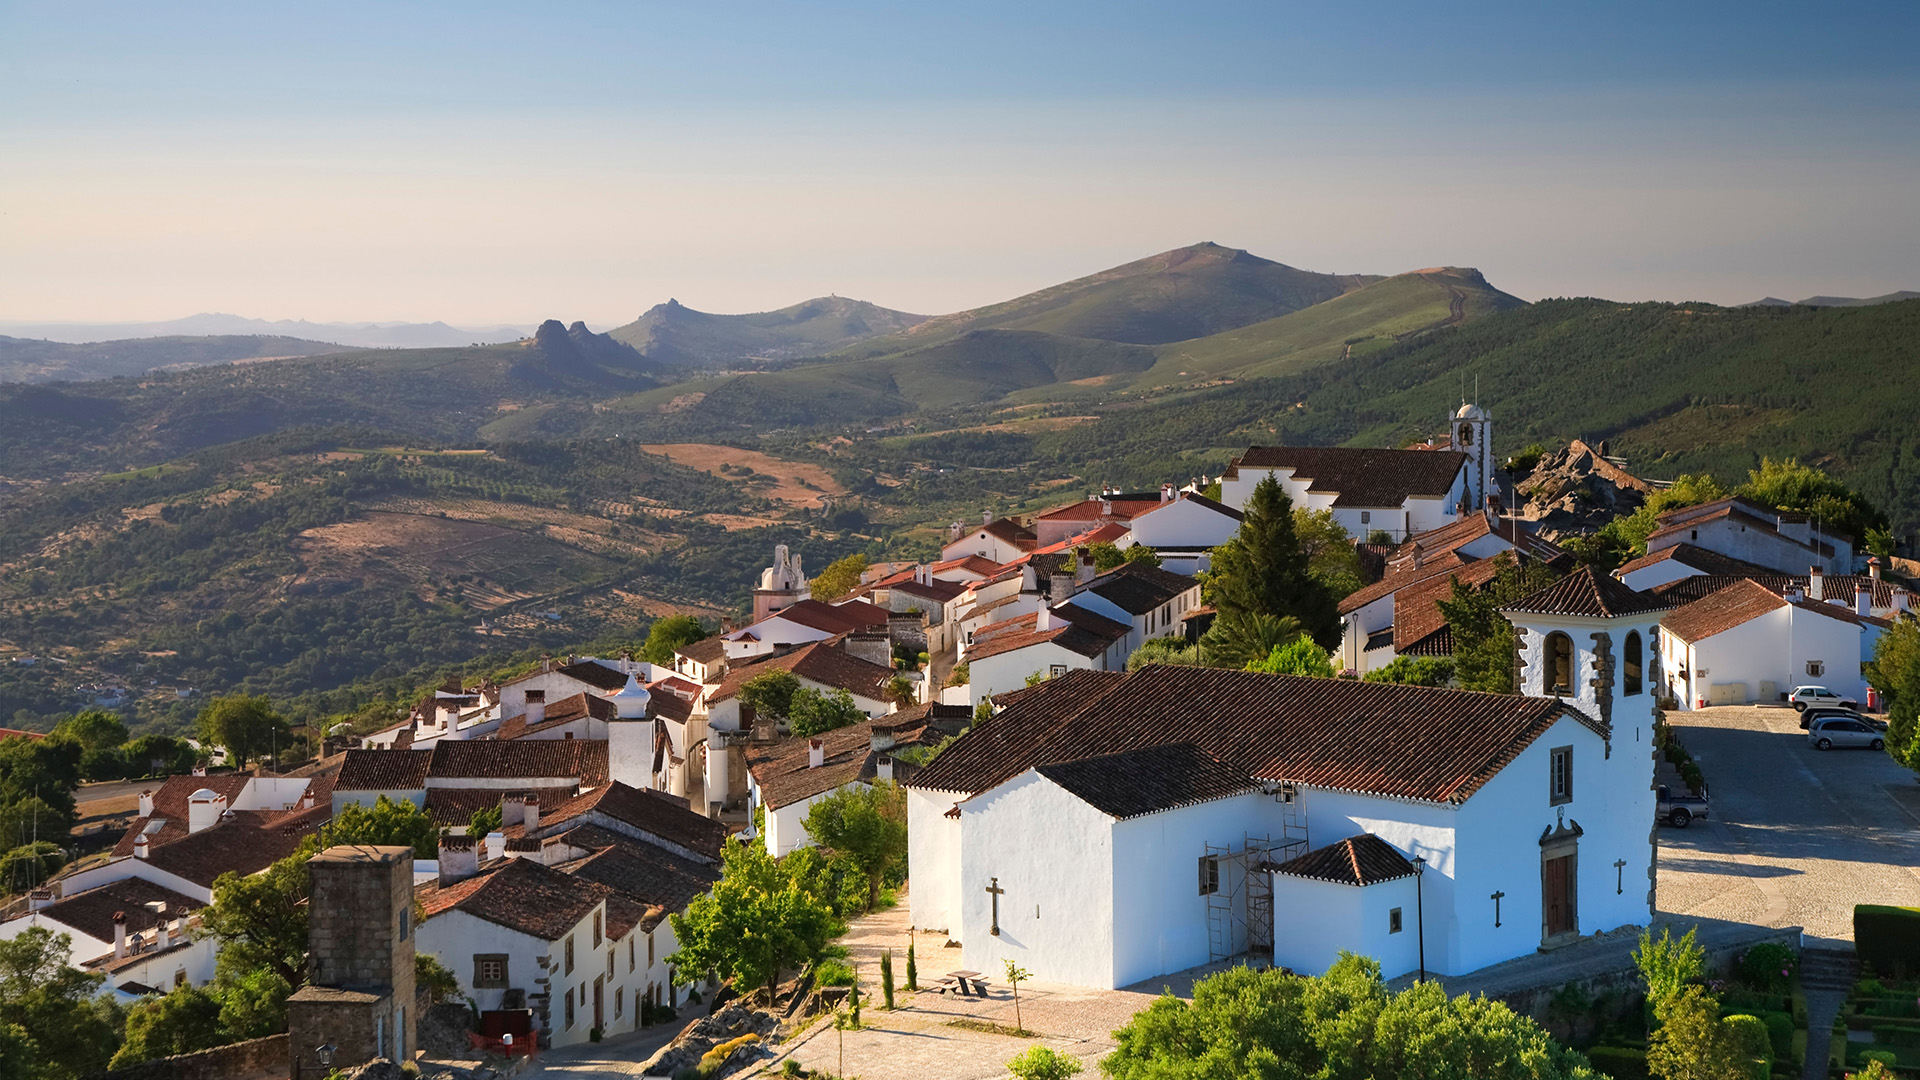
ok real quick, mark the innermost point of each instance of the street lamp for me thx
(1420, 911)
(324, 1053)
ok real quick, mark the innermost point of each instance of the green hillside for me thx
(674, 335)
(34, 360)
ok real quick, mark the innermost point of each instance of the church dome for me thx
(632, 700)
(1470, 412)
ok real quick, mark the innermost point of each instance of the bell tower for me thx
(1472, 434)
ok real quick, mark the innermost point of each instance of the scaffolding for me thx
(1238, 883)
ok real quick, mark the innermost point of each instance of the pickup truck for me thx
(1679, 809)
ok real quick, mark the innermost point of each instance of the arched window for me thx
(1632, 686)
(1559, 661)
(1466, 435)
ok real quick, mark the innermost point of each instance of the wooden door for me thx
(599, 1003)
(1558, 897)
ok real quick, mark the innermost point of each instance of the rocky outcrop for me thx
(1574, 491)
(728, 1027)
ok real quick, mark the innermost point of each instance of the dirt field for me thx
(708, 458)
(499, 565)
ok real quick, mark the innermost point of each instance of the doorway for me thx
(1560, 884)
(599, 1002)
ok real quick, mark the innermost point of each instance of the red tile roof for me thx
(1740, 602)
(823, 662)
(1113, 508)
(1132, 783)
(1359, 860)
(833, 618)
(1699, 558)
(456, 806)
(246, 842)
(522, 895)
(1369, 478)
(781, 772)
(1137, 588)
(1416, 608)
(1075, 629)
(649, 812)
(971, 563)
(91, 912)
(384, 770)
(583, 761)
(1407, 742)
(1586, 593)
(646, 882)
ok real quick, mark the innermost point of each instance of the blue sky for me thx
(507, 162)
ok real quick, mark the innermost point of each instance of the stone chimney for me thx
(1862, 599)
(536, 706)
(530, 813)
(146, 804)
(496, 844)
(883, 768)
(1166, 492)
(140, 846)
(816, 753)
(1873, 568)
(1059, 587)
(459, 858)
(882, 738)
(1816, 584)
(1900, 600)
(119, 935)
(204, 808)
(1082, 565)
(874, 647)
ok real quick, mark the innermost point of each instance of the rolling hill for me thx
(39, 360)
(363, 335)
(674, 335)
(1837, 301)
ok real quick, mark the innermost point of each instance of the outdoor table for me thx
(963, 976)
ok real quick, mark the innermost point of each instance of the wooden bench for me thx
(943, 984)
(980, 987)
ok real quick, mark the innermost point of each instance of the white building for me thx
(1049, 643)
(1148, 600)
(1105, 829)
(781, 585)
(1743, 643)
(136, 933)
(1782, 542)
(788, 776)
(1398, 492)
(1184, 531)
(998, 540)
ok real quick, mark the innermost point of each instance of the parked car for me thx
(1678, 809)
(1807, 697)
(1825, 712)
(1842, 731)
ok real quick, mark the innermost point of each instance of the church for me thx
(1106, 828)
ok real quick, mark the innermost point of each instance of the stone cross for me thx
(1619, 876)
(1496, 909)
(996, 892)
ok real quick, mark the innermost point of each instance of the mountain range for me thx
(364, 335)
(1836, 301)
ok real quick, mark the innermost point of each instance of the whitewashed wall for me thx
(1415, 829)
(989, 675)
(1182, 524)
(1314, 920)
(1159, 914)
(933, 857)
(129, 867)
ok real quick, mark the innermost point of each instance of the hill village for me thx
(1070, 817)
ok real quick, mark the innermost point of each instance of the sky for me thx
(484, 163)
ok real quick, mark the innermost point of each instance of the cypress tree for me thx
(913, 976)
(1264, 571)
(886, 976)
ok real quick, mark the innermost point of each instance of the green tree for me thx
(1895, 671)
(812, 712)
(1668, 966)
(431, 977)
(1141, 553)
(1414, 671)
(22, 821)
(1694, 1043)
(913, 972)
(1106, 556)
(19, 1054)
(1483, 641)
(1165, 650)
(1802, 489)
(1331, 557)
(901, 690)
(74, 1030)
(1264, 571)
(47, 770)
(770, 693)
(161, 755)
(387, 821)
(756, 922)
(1625, 537)
(247, 727)
(253, 1001)
(1015, 976)
(886, 977)
(868, 825)
(1301, 656)
(180, 1022)
(94, 729)
(30, 864)
(1044, 1063)
(261, 919)
(485, 820)
(841, 577)
(669, 634)
(1238, 639)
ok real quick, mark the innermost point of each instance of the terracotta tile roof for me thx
(1148, 780)
(18, 733)
(245, 843)
(565, 711)
(1586, 593)
(978, 610)
(1198, 500)
(597, 673)
(1416, 608)
(1467, 529)
(710, 650)
(937, 591)
(664, 704)
(1137, 588)
(1369, 478)
(1075, 686)
(822, 662)
(580, 760)
(781, 772)
(648, 811)
(647, 883)
(91, 912)
(975, 564)
(522, 895)
(170, 808)
(1701, 559)
(833, 618)
(1739, 602)
(1395, 580)
(384, 770)
(1107, 532)
(1733, 508)
(1075, 629)
(455, 806)
(1115, 508)
(1359, 860)
(1407, 742)
(1010, 531)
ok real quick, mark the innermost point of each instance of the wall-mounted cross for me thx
(1496, 909)
(997, 892)
(1619, 876)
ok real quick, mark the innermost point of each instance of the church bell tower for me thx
(1472, 435)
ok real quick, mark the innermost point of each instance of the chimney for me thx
(204, 810)
(165, 935)
(146, 804)
(530, 814)
(523, 847)
(1416, 556)
(1793, 594)
(1082, 565)
(1873, 568)
(986, 517)
(955, 531)
(496, 844)
(199, 770)
(40, 898)
(1900, 599)
(1816, 584)
(1044, 620)
(1106, 507)
(1166, 492)
(882, 737)
(1059, 587)
(1862, 599)
(119, 935)
(536, 706)
(816, 753)
(459, 858)
(140, 848)
(883, 768)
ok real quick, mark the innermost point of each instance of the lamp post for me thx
(1420, 911)
(322, 1056)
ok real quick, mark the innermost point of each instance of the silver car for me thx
(1840, 731)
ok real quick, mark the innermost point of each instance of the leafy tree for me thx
(1238, 639)
(1141, 553)
(1483, 640)
(1668, 966)
(841, 577)
(485, 820)
(1895, 671)
(1837, 509)
(1264, 570)
(1044, 1063)
(669, 634)
(1298, 657)
(1879, 542)
(756, 922)
(1331, 557)
(93, 729)
(867, 824)
(247, 727)
(1625, 537)
(1164, 651)
(19, 1054)
(44, 769)
(386, 822)
(73, 1030)
(1106, 556)
(161, 755)
(432, 978)
(1694, 1043)
(29, 865)
(181, 1022)
(813, 712)
(770, 693)
(1414, 671)
(261, 920)
(901, 691)
(22, 821)
(961, 675)
(253, 1001)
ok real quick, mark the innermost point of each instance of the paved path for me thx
(619, 1056)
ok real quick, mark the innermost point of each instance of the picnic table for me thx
(961, 979)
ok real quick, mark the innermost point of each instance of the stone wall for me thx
(250, 1058)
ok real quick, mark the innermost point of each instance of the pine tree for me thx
(1264, 571)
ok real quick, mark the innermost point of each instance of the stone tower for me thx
(359, 997)
(781, 585)
(1472, 433)
(630, 736)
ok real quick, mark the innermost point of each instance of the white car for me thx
(1840, 731)
(1805, 696)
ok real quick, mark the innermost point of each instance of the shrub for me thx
(1750, 1032)
(1885, 1057)
(1779, 1033)
(1044, 1063)
(1767, 966)
(833, 973)
(1887, 937)
(1619, 1062)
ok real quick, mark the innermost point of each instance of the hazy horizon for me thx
(484, 165)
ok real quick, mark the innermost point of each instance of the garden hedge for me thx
(1620, 1062)
(1887, 938)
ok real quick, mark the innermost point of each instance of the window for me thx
(1055, 671)
(596, 929)
(569, 1007)
(406, 919)
(1393, 921)
(619, 1002)
(629, 954)
(1559, 661)
(609, 965)
(569, 967)
(1466, 435)
(1816, 668)
(490, 971)
(1209, 875)
(179, 978)
(649, 949)
(1633, 665)
(1560, 782)
(1366, 517)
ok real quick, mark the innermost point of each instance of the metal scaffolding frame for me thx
(1240, 906)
